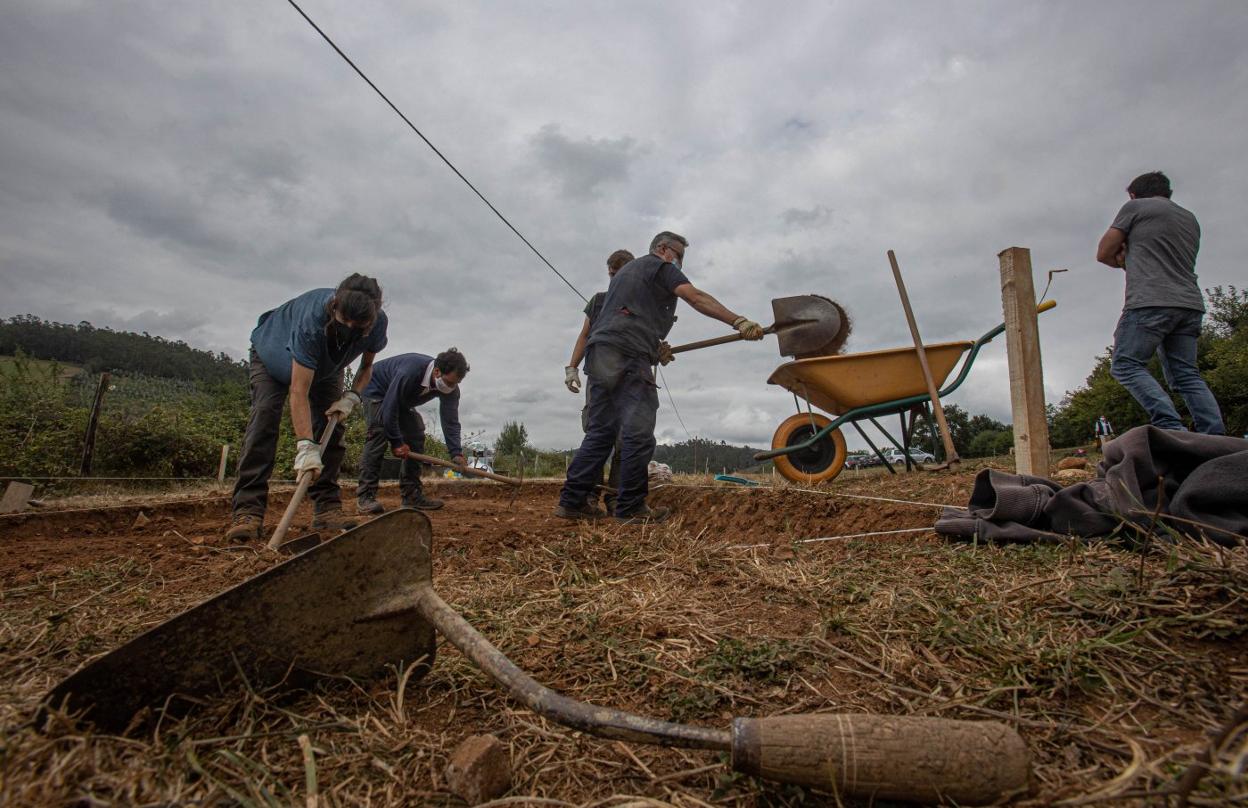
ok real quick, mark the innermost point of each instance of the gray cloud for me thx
(583, 167)
(183, 171)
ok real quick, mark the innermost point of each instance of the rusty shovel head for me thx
(809, 325)
(342, 608)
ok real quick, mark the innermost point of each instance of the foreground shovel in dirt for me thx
(364, 601)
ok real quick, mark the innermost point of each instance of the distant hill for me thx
(98, 349)
(8, 366)
(699, 455)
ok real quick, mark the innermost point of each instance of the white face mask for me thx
(442, 386)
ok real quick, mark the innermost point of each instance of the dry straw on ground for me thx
(1118, 666)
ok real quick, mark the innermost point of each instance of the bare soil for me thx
(1115, 665)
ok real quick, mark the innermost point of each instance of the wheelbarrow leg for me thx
(871, 443)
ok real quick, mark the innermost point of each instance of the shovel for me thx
(363, 602)
(805, 325)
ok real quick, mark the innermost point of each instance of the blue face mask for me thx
(678, 261)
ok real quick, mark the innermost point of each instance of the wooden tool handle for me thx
(913, 758)
(951, 454)
(437, 461)
(301, 489)
(706, 343)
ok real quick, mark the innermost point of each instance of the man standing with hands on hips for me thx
(1155, 242)
(572, 377)
(623, 346)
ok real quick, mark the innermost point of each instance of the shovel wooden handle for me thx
(437, 461)
(301, 489)
(706, 343)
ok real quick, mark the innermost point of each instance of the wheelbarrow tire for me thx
(819, 463)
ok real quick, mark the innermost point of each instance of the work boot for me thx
(583, 512)
(369, 507)
(422, 502)
(644, 514)
(245, 527)
(333, 521)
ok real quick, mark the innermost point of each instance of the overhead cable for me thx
(436, 151)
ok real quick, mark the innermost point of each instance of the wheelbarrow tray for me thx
(838, 384)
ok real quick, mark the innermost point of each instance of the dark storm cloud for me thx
(181, 169)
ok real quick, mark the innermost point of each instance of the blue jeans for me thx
(623, 401)
(1171, 334)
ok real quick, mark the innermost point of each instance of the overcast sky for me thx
(179, 168)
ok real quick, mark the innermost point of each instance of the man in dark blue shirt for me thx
(572, 377)
(301, 348)
(623, 346)
(399, 385)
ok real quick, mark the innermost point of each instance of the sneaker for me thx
(585, 511)
(245, 527)
(369, 507)
(643, 515)
(423, 503)
(334, 521)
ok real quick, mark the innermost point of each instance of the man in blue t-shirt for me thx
(300, 349)
(623, 346)
(399, 385)
(1155, 242)
(572, 377)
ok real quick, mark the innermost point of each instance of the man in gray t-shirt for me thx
(1155, 242)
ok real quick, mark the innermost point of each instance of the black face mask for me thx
(342, 334)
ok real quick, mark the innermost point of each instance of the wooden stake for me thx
(1022, 343)
(88, 446)
(951, 453)
(225, 454)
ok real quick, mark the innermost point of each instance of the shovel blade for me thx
(809, 325)
(317, 613)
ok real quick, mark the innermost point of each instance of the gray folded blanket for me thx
(1200, 480)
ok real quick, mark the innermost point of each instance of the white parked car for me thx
(894, 455)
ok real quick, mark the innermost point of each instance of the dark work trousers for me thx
(255, 464)
(623, 401)
(412, 428)
(613, 479)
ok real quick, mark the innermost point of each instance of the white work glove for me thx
(572, 379)
(344, 406)
(308, 458)
(748, 328)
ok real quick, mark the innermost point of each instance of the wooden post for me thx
(88, 446)
(225, 453)
(1022, 343)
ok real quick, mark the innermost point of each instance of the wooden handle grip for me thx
(706, 343)
(914, 758)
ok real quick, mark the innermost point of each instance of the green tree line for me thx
(97, 349)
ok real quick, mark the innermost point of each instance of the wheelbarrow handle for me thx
(706, 343)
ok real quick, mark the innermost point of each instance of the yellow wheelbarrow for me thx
(809, 448)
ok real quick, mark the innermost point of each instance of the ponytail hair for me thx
(357, 299)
